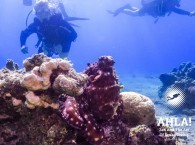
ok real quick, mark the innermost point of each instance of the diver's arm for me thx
(65, 26)
(27, 32)
(181, 12)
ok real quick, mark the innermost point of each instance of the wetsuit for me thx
(51, 32)
(159, 8)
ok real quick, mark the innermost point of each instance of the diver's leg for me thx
(65, 15)
(47, 50)
(125, 9)
(63, 55)
(40, 49)
(65, 50)
(119, 10)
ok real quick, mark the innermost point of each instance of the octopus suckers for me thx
(96, 139)
(85, 116)
(70, 108)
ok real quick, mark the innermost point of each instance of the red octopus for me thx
(99, 104)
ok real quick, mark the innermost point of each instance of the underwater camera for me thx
(27, 2)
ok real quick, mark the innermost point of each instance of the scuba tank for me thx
(27, 2)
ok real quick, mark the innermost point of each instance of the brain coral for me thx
(138, 109)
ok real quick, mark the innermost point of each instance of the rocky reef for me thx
(49, 103)
(181, 78)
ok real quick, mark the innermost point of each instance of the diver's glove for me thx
(24, 49)
(192, 13)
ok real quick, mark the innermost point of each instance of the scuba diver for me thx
(154, 8)
(54, 33)
(59, 5)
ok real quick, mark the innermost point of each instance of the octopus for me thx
(99, 105)
(97, 113)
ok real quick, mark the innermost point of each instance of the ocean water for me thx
(139, 47)
(136, 43)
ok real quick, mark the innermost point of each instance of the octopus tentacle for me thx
(93, 132)
(70, 112)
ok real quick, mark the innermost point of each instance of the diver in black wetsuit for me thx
(54, 33)
(154, 8)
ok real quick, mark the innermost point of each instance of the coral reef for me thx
(182, 78)
(11, 65)
(138, 109)
(32, 89)
(9, 81)
(39, 78)
(49, 103)
(19, 125)
(145, 135)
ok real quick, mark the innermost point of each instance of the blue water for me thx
(136, 43)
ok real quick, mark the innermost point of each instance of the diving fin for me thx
(75, 18)
(65, 15)
(110, 12)
(74, 25)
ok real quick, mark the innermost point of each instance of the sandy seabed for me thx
(149, 85)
